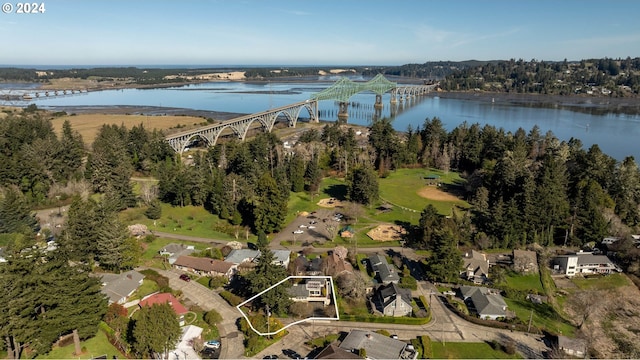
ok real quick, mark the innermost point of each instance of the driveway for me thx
(230, 338)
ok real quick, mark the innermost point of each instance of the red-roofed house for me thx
(163, 298)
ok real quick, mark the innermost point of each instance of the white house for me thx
(584, 263)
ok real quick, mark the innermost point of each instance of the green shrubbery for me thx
(231, 298)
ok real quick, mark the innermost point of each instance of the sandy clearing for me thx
(387, 232)
(330, 203)
(433, 193)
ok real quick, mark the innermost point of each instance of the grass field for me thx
(608, 282)
(187, 220)
(544, 316)
(460, 350)
(89, 124)
(401, 188)
(524, 282)
(96, 346)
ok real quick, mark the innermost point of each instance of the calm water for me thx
(616, 134)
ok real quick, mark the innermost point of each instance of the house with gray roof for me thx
(385, 272)
(584, 263)
(377, 346)
(173, 251)
(239, 256)
(303, 266)
(281, 257)
(488, 303)
(476, 267)
(311, 290)
(118, 287)
(392, 300)
(333, 351)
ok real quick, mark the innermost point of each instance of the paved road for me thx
(231, 338)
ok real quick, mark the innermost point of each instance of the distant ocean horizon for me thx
(177, 66)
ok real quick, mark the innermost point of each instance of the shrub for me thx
(427, 350)
(231, 298)
(212, 317)
(218, 282)
(154, 211)
(383, 332)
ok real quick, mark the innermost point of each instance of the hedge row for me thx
(232, 299)
(386, 319)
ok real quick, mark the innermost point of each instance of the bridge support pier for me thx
(378, 104)
(343, 113)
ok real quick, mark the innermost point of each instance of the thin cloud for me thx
(297, 12)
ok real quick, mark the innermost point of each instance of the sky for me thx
(318, 32)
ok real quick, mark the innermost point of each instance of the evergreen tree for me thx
(15, 214)
(446, 261)
(44, 297)
(154, 211)
(156, 331)
(266, 274)
(362, 186)
(296, 173)
(72, 151)
(270, 207)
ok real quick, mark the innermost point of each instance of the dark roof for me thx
(119, 286)
(377, 346)
(592, 259)
(333, 351)
(204, 264)
(486, 301)
(385, 271)
(391, 290)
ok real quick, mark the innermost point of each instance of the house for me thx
(385, 271)
(476, 267)
(488, 303)
(205, 266)
(572, 347)
(333, 351)
(525, 261)
(281, 257)
(118, 287)
(173, 251)
(392, 300)
(163, 298)
(377, 346)
(311, 290)
(334, 265)
(303, 266)
(184, 349)
(239, 256)
(584, 263)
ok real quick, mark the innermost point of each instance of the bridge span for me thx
(240, 126)
(342, 90)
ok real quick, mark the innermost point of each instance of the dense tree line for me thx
(611, 77)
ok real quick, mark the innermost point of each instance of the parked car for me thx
(298, 232)
(185, 277)
(212, 344)
(291, 353)
(271, 357)
(311, 227)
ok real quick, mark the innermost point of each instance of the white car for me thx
(302, 226)
(298, 232)
(311, 227)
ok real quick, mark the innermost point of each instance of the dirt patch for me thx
(433, 193)
(387, 232)
(330, 203)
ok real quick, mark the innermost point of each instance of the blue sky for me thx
(319, 32)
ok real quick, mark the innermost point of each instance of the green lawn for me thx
(544, 316)
(607, 282)
(96, 346)
(401, 186)
(187, 220)
(524, 282)
(463, 350)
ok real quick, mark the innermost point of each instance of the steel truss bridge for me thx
(341, 91)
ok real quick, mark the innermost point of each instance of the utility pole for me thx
(530, 319)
